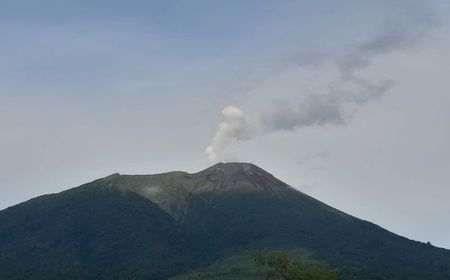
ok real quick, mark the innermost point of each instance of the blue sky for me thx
(344, 100)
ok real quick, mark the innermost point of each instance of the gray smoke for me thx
(337, 105)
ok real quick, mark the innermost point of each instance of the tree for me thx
(197, 277)
(281, 266)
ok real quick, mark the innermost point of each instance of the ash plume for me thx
(336, 105)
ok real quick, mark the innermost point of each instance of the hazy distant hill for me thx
(157, 226)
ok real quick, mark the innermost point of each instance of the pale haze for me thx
(347, 101)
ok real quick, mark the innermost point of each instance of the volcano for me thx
(163, 225)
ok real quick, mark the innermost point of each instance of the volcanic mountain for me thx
(163, 225)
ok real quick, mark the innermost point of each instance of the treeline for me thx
(279, 265)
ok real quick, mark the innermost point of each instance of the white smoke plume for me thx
(233, 126)
(336, 105)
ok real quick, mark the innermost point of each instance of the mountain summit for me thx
(172, 190)
(239, 176)
(162, 225)
(221, 177)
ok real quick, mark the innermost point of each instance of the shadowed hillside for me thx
(157, 226)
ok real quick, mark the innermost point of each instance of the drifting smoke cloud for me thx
(335, 106)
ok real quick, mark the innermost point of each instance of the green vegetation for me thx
(282, 266)
(245, 266)
(197, 277)
(157, 227)
(241, 266)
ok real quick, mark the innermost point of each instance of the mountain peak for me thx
(238, 176)
(183, 222)
(172, 190)
(232, 168)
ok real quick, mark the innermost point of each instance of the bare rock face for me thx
(242, 177)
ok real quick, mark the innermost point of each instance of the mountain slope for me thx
(93, 231)
(156, 226)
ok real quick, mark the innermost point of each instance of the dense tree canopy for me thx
(281, 266)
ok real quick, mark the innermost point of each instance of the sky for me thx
(347, 101)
